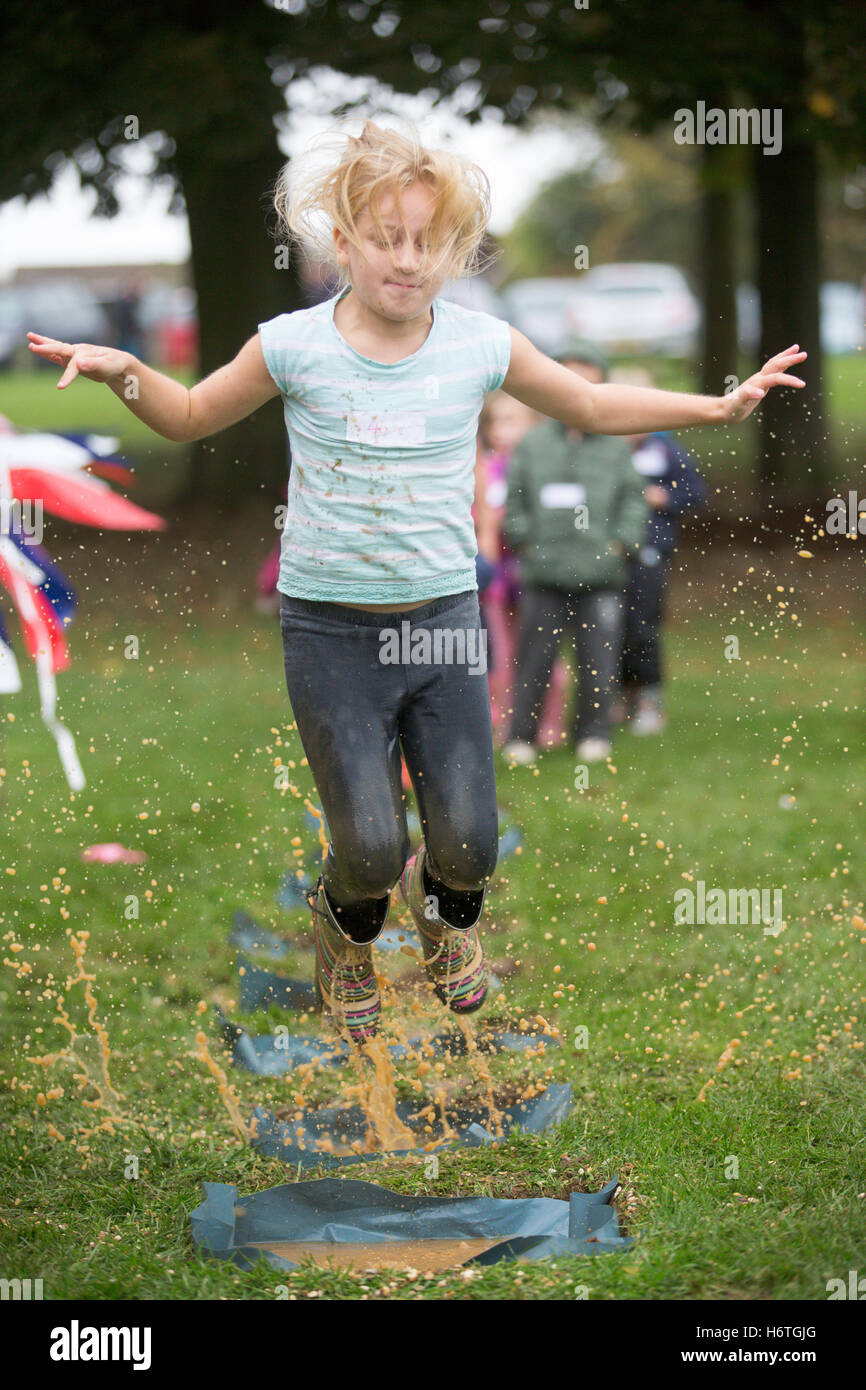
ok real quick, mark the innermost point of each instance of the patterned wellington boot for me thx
(453, 956)
(346, 982)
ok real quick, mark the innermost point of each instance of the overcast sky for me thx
(59, 229)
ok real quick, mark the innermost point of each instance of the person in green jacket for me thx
(575, 511)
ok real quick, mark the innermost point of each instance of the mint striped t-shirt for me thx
(383, 455)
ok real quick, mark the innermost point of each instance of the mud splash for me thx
(726, 1057)
(320, 828)
(227, 1093)
(90, 1073)
(378, 1098)
(481, 1068)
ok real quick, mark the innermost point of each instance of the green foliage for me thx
(636, 201)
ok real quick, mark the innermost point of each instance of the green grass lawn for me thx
(758, 1191)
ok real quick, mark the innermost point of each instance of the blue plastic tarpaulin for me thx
(343, 1211)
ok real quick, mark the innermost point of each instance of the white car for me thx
(641, 306)
(540, 309)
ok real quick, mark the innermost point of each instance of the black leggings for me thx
(645, 597)
(356, 707)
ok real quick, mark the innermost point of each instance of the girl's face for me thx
(388, 273)
(507, 422)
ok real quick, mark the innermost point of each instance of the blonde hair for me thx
(312, 202)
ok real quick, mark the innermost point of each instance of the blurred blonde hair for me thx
(333, 192)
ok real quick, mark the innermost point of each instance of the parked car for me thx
(65, 309)
(843, 318)
(540, 309)
(639, 307)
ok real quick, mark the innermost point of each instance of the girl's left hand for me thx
(742, 402)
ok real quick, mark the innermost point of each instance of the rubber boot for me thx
(453, 956)
(346, 982)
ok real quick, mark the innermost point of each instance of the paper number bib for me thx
(389, 429)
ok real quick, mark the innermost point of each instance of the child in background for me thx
(382, 386)
(486, 539)
(267, 599)
(673, 488)
(575, 510)
(502, 424)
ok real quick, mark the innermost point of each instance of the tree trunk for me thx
(238, 287)
(718, 268)
(794, 459)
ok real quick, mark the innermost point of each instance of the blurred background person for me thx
(575, 509)
(129, 334)
(487, 541)
(673, 488)
(503, 423)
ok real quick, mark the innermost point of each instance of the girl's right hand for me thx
(81, 359)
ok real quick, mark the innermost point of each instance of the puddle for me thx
(427, 1256)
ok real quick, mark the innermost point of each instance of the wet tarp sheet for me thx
(292, 890)
(343, 1210)
(297, 1142)
(247, 933)
(259, 988)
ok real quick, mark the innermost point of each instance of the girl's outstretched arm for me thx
(229, 394)
(611, 408)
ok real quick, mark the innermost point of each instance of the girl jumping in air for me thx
(382, 386)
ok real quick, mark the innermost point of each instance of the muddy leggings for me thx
(366, 686)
